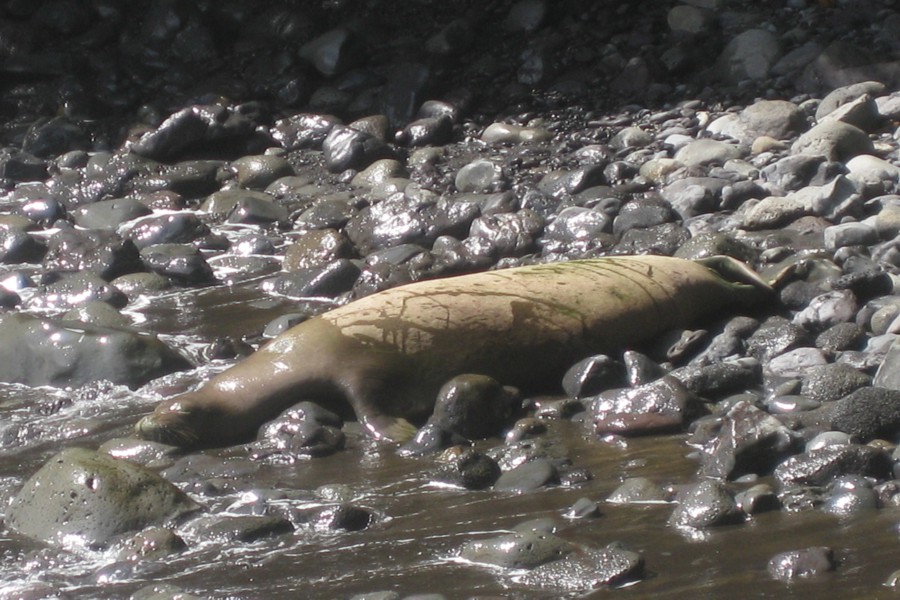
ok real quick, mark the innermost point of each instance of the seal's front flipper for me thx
(390, 429)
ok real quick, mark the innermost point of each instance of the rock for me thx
(236, 529)
(587, 570)
(258, 172)
(326, 281)
(103, 253)
(473, 406)
(847, 94)
(480, 176)
(86, 498)
(175, 228)
(346, 148)
(833, 382)
(109, 214)
(834, 140)
(749, 55)
(637, 490)
(304, 130)
(872, 175)
(809, 562)
(705, 504)
(194, 128)
(827, 310)
(821, 466)
(868, 413)
(775, 336)
(592, 375)
(528, 476)
(79, 354)
(181, 263)
(750, 441)
(470, 470)
(333, 52)
(505, 133)
(76, 289)
(659, 406)
(525, 550)
(706, 152)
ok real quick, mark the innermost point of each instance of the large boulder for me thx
(46, 351)
(84, 498)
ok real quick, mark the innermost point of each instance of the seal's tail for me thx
(751, 288)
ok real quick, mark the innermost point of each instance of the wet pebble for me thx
(528, 476)
(525, 550)
(797, 564)
(705, 504)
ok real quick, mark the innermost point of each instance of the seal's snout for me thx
(166, 427)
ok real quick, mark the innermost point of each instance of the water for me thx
(418, 526)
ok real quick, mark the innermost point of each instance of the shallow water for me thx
(418, 526)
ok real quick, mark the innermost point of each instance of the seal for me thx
(387, 355)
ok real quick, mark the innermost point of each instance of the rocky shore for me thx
(180, 182)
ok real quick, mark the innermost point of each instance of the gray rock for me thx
(79, 354)
(333, 52)
(101, 252)
(591, 376)
(480, 176)
(637, 490)
(834, 140)
(587, 570)
(873, 175)
(775, 336)
(827, 310)
(347, 148)
(525, 550)
(175, 228)
(505, 133)
(846, 94)
(705, 152)
(181, 263)
(231, 529)
(749, 55)
(223, 202)
(850, 234)
(327, 281)
(76, 289)
(86, 498)
(109, 214)
(861, 112)
(470, 470)
(528, 476)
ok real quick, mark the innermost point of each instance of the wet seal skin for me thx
(388, 354)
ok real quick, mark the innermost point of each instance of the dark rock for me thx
(638, 490)
(103, 253)
(193, 129)
(832, 382)
(177, 228)
(705, 504)
(231, 529)
(82, 497)
(17, 165)
(109, 214)
(750, 441)
(75, 289)
(303, 131)
(328, 280)
(715, 380)
(18, 247)
(345, 148)
(843, 336)
(252, 210)
(473, 406)
(183, 264)
(868, 413)
(470, 470)
(775, 336)
(592, 375)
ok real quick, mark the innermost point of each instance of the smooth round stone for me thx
(706, 151)
(109, 214)
(500, 133)
(521, 550)
(630, 137)
(479, 176)
(316, 248)
(257, 211)
(331, 52)
(378, 172)
(257, 172)
(137, 284)
(97, 313)
(689, 19)
(749, 55)
(705, 504)
(224, 201)
(861, 112)
(528, 476)
(850, 234)
(637, 490)
(828, 309)
(846, 94)
(828, 438)
(834, 140)
(791, 404)
(850, 502)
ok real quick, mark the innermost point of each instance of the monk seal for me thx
(388, 354)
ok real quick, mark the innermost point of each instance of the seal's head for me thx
(182, 422)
